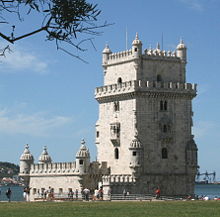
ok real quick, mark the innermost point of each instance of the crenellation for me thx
(141, 85)
(120, 55)
(64, 167)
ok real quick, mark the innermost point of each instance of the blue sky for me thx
(47, 97)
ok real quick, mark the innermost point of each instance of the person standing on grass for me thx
(76, 194)
(157, 192)
(86, 192)
(8, 194)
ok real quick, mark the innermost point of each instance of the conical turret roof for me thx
(45, 157)
(27, 154)
(83, 151)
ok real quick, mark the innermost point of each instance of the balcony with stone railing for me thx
(145, 86)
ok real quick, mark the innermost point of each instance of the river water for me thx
(209, 190)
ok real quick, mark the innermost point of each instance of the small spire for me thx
(136, 37)
(181, 40)
(83, 142)
(158, 46)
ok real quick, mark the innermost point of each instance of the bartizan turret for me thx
(136, 47)
(181, 51)
(136, 156)
(26, 160)
(105, 55)
(45, 157)
(82, 159)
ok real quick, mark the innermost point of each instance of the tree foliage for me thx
(63, 20)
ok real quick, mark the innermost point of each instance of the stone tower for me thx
(145, 120)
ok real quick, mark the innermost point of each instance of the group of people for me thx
(97, 194)
(71, 194)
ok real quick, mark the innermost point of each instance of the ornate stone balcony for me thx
(150, 87)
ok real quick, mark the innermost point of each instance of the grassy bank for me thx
(111, 209)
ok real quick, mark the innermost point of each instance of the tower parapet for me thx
(53, 168)
(145, 86)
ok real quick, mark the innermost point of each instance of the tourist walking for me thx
(8, 194)
(124, 193)
(70, 194)
(101, 193)
(86, 193)
(157, 193)
(76, 194)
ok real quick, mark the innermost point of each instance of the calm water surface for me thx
(17, 192)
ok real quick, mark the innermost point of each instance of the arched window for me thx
(164, 153)
(116, 106)
(165, 128)
(119, 80)
(159, 78)
(165, 106)
(161, 105)
(116, 153)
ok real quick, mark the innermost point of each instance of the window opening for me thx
(81, 162)
(159, 78)
(119, 80)
(165, 128)
(116, 153)
(163, 105)
(164, 153)
(116, 106)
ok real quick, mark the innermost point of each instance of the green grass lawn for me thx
(111, 209)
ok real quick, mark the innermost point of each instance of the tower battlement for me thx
(53, 168)
(131, 86)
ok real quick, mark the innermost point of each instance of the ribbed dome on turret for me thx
(106, 50)
(136, 40)
(181, 45)
(27, 154)
(135, 143)
(83, 151)
(45, 157)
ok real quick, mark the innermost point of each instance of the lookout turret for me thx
(137, 47)
(105, 54)
(26, 160)
(82, 158)
(181, 51)
(45, 157)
